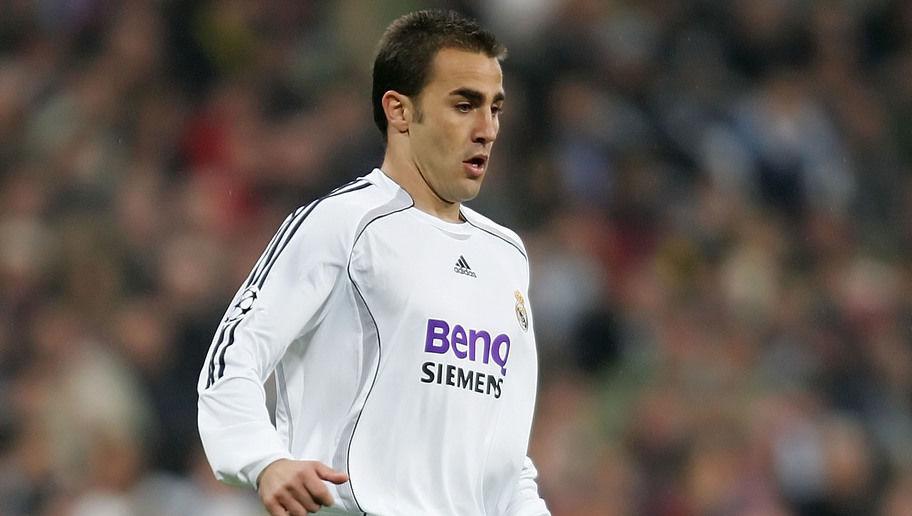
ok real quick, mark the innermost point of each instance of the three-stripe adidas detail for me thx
(261, 271)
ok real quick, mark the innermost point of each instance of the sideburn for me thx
(419, 114)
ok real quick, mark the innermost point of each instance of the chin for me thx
(469, 193)
(469, 197)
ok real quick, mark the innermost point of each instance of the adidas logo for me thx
(462, 267)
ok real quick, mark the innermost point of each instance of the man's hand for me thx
(296, 487)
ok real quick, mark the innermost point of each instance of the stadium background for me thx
(716, 198)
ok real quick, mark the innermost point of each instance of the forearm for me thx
(236, 432)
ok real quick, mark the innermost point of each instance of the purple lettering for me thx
(437, 330)
(473, 339)
(459, 339)
(465, 343)
(501, 354)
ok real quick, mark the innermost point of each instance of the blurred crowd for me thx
(716, 198)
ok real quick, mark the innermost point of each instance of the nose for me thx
(486, 128)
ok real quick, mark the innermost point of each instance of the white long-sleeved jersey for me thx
(403, 353)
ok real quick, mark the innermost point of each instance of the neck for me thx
(409, 175)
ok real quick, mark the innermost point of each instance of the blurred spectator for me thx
(716, 199)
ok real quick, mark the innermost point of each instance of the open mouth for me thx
(476, 163)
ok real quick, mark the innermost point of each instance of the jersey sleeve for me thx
(526, 500)
(281, 300)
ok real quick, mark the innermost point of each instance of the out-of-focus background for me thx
(716, 198)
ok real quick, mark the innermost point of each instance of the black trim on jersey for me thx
(221, 338)
(266, 257)
(261, 270)
(221, 371)
(351, 439)
(270, 254)
(282, 391)
(498, 236)
(257, 270)
(297, 225)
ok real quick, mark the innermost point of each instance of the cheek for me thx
(442, 138)
(447, 138)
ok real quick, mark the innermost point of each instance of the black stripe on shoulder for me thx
(261, 271)
(336, 189)
(295, 220)
(505, 239)
(265, 258)
(294, 228)
(271, 249)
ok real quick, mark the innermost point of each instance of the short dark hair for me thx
(408, 47)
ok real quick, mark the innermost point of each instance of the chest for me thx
(406, 262)
(460, 295)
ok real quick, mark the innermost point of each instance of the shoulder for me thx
(346, 202)
(505, 235)
(343, 211)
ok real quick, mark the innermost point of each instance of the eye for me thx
(463, 107)
(496, 110)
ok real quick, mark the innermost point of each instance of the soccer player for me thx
(395, 319)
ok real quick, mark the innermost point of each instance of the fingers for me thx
(284, 504)
(331, 475)
(274, 508)
(297, 504)
(297, 487)
(317, 489)
(301, 497)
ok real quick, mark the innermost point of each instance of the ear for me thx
(399, 110)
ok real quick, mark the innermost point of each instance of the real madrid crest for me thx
(521, 315)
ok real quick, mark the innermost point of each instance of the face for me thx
(455, 122)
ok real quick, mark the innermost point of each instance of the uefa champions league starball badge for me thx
(521, 314)
(244, 304)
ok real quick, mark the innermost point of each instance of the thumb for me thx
(331, 475)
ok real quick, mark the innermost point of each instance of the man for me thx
(394, 318)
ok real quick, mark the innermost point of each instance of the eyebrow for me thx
(476, 96)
